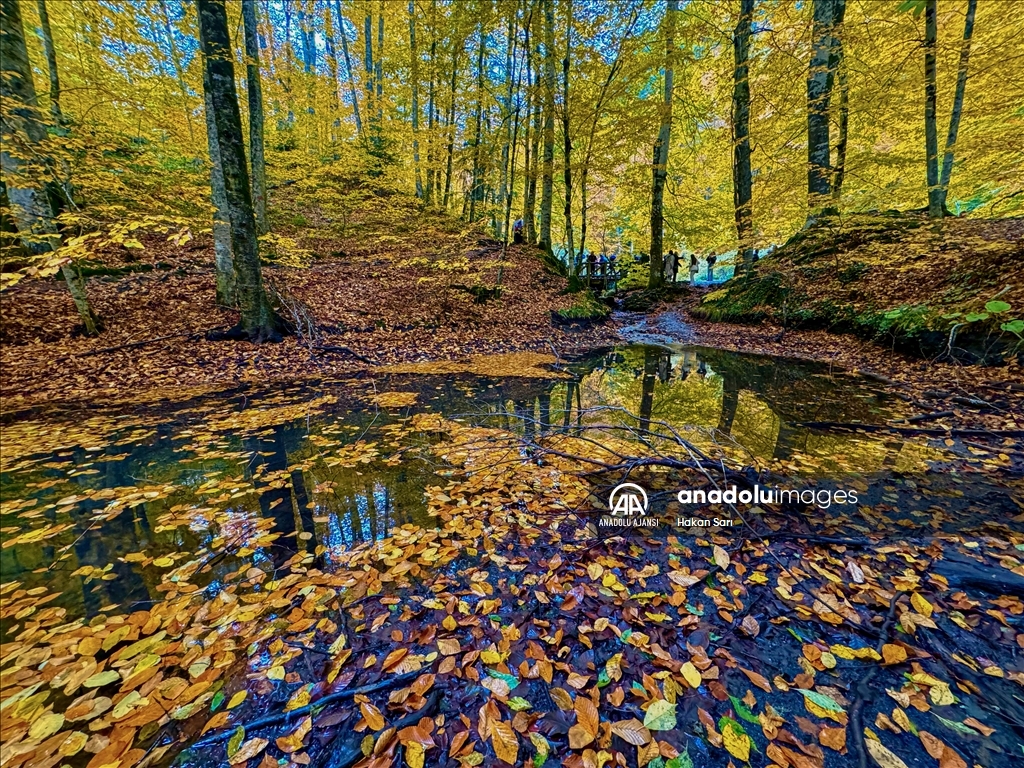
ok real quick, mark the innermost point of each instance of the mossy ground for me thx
(898, 277)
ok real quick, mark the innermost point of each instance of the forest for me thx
(469, 383)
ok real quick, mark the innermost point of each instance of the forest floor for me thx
(393, 291)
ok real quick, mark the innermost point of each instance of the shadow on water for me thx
(100, 505)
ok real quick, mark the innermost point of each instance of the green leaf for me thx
(973, 317)
(518, 704)
(235, 742)
(1014, 326)
(218, 699)
(603, 679)
(660, 716)
(995, 307)
(681, 761)
(958, 727)
(512, 680)
(822, 701)
(742, 711)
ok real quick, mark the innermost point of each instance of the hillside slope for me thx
(898, 278)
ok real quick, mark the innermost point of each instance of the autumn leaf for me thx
(691, 675)
(374, 719)
(737, 743)
(882, 756)
(632, 731)
(247, 751)
(294, 740)
(660, 716)
(504, 742)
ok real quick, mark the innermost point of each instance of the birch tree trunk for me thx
(348, 67)
(254, 91)
(415, 99)
(258, 321)
(547, 173)
(931, 137)
(656, 278)
(34, 205)
(741, 174)
(958, 103)
(573, 263)
(819, 94)
(51, 62)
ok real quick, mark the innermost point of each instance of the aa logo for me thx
(628, 500)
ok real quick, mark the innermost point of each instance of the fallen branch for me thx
(926, 417)
(348, 693)
(352, 753)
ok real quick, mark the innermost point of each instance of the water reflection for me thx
(222, 482)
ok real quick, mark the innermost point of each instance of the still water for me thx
(98, 503)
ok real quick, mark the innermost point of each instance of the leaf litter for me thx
(500, 632)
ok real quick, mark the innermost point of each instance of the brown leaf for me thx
(759, 680)
(586, 715)
(631, 731)
(833, 738)
(374, 719)
(504, 741)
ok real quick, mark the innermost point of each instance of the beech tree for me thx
(258, 321)
(741, 174)
(548, 168)
(828, 15)
(661, 147)
(958, 104)
(254, 91)
(34, 194)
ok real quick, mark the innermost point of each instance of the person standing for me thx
(711, 267)
(694, 268)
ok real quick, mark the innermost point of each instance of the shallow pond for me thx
(100, 503)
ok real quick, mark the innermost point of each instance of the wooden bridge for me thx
(601, 276)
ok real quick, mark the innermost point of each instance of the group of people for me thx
(602, 264)
(671, 266)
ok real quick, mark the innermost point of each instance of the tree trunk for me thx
(223, 262)
(527, 133)
(476, 193)
(258, 321)
(348, 68)
(255, 94)
(415, 99)
(741, 175)
(573, 263)
(819, 94)
(547, 186)
(656, 278)
(450, 127)
(51, 62)
(332, 66)
(931, 137)
(368, 63)
(839, 169)
(431, 139)
(504, 193)
(33, 205)
(378, 72)
(958, 103)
